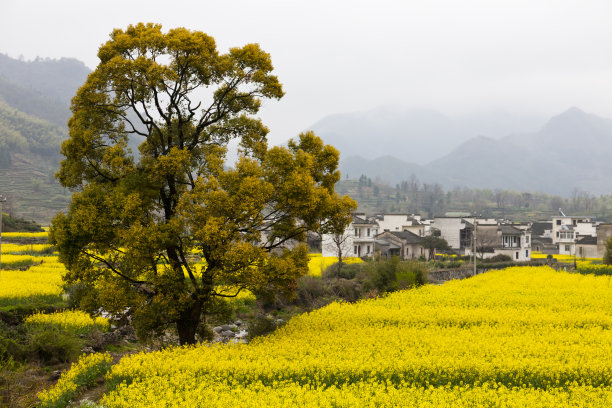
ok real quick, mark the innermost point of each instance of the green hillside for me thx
(29, 156)
(34, 100)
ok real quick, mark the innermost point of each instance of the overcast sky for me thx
(338, 56)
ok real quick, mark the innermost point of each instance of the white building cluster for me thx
(401, 235)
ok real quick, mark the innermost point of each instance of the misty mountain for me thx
(56, 79)
(34, 103)
(571, 151)
(415, 135)
(42, 88)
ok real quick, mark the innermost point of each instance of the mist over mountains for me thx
(570, 151)
(414, 135)
(496, 150)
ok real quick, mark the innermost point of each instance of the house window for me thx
(516, 254)
(368, 232)
(558, 222)
(368, 249)
(355, 249)
(557, 234)
(526, 253)
(357, 232)
(574, 222)
(567, 248)
(526, 239)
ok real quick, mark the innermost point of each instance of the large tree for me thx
(169, 230)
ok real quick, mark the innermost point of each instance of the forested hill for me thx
(415, 196)
(34, 110)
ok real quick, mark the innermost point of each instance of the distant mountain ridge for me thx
(413, 135)
(571, 151)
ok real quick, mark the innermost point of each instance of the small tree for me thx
(607, 259)
(433, 244)
(171, 231)
(340, 243)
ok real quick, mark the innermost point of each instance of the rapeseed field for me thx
(523, 336)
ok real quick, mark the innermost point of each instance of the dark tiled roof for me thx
(509, 230)
(587, 240)
(542, 240)
(358, 220)
(538, 228)
(407, 236)
(363, 221)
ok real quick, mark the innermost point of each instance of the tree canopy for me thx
(434, 244)
(171, 230)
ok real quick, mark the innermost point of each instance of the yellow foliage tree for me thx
(136, 221)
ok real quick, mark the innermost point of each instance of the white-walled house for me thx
(566, 230)
(455, 230)
(400, 222)
(502, 239)
(515, 242)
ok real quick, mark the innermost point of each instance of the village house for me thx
(455, 230)
(401, 222)
(594, 246)
(404, 244)
(566, 230)
(541, 237)
(365, 237)
(490, 237)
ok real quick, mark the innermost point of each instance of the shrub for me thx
(261, 326)
(50, 345)
(19, 224)
(595, 269)
(10, 348)
(392, 274)
(348, 290)
(344, 271)
(310, 289)
(498, 258)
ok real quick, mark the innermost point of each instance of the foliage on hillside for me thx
(15, 224)
(20, 133)
(430, 199)
(34, 103)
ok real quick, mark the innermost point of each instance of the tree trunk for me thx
(188, 322)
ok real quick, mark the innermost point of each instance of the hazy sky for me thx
(337, 56)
